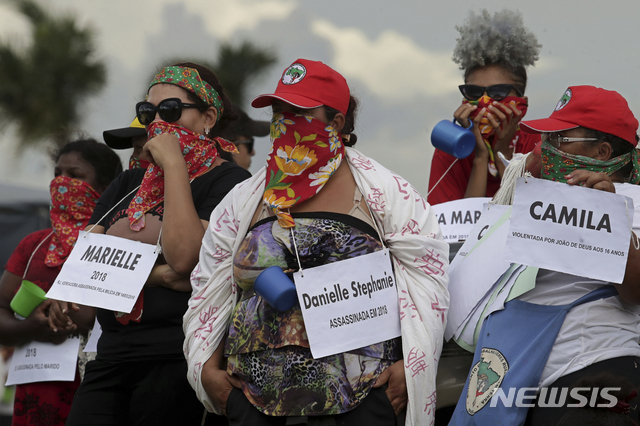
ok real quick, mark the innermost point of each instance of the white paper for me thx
(457, 218)
(492, 302)
(478, 269)
(104, 271)
(490, 214)
(44, 362)
(349, 304)
(92, 343)
(570, 229)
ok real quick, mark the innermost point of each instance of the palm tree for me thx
(42, 86)
(237, 66)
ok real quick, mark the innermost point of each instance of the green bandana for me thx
(189, 79)
(556, 164)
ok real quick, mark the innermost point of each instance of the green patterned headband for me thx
(189, 79)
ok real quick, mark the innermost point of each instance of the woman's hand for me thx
(218, 383)
(505, 119)
(595, 180)
(534, 161)
(164, 276)
(164, 151)
(477, 185)
(397, 386)
(70, 317)
(39, 322)
(462, 116)
(58, 318)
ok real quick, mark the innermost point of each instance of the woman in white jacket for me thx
(316, 202)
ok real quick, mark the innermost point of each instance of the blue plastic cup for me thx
(453, 139)
(274, 286)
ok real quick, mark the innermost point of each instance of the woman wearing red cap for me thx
(317, 202)
(589, 140)
(493, 51)
(138, 376)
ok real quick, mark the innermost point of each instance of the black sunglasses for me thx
(170, 110)
(249, 142)
(497, 92)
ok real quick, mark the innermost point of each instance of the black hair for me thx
(349, 120)
(228, 114)
(619, 147)
(103, 159)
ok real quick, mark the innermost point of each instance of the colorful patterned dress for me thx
(269, 350)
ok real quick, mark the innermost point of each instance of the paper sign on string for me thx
(571, 229)
(457, 218)
(349, 304)
(105, 271)
(44, 362)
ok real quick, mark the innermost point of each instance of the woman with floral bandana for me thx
(139, 375)
(493, 51)
(317, 202)
(83, 171)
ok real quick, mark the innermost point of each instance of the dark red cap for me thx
(309, 84)
(592, 108)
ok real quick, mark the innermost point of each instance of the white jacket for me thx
(420, 258)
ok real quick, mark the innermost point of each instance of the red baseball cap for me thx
(309, 84)
(592, 108)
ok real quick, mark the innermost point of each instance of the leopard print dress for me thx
(269, 350)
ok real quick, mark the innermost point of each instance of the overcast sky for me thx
(396, 57)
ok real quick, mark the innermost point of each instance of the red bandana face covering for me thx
(304, 155)
(72, 202)
(137, 163)
(486, 129)
(199, 153)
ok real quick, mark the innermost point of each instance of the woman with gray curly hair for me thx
(494, 52)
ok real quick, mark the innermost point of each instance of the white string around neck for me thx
(158, 249)
(24, 274)
(295, 245)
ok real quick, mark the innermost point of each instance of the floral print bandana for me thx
(189, 79)
(199, 153)
(304, 155)
(72, 202)
(486, 129)
(556, 164)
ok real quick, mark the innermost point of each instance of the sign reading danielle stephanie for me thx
(570, 229)
(104, 271)
(457, 218)
(349, 304)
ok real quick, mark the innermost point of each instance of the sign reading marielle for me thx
(570, 229)
(349, 304)
(104, 271)
(457, 218)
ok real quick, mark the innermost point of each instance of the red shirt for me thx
(43, 402)
(454, 184)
